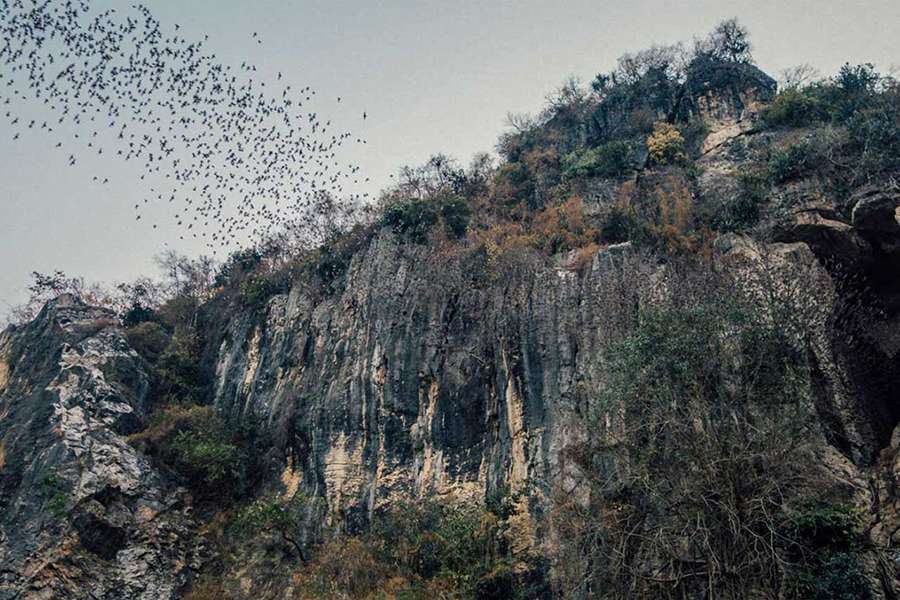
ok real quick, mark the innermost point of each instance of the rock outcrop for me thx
(82, 513)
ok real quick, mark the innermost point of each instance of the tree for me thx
(798, 77)
(271, 515)
(729, 41)
(699, 441)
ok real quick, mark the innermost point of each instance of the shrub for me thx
(345, 568)
(875, 137)
(257, 289)
(272, 515)
(238, 264)
(206, 588)
(840, 577)
(136, 314)
(148, 339)
(194, 442)
(793, 108)
(179, 377)
(52, 489)
(513, 184)
(563, 227)
(617, 226)
(329, 265)
(612, 159)
(663, 215)
(455, 213)
(740, 205)
(421, 551)
(827, 537)
(791, 162)
(695, 441)
(851, 91)
(665, 144)
(818, 524)
(411, 218)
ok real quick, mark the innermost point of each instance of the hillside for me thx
(654, 352)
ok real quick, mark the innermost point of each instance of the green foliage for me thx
(257, 289)
(827, 534)
(431, 539)
(137, 314)
(271, 514)
(694, 441)
(455, 213)
(179, 377)
(330, 264)
(875, 137)
(612, 159)
(331, 260)
(203, 453)
(267, 513)
(501, 503)
(818, 524)
(412, 219)
(741, 209)
(840, 576)
(238, 264)
(411, 551)
(53, 491)
(793, 108)
(149, 339)
(791, 162)
(851, 91)
(196, 443)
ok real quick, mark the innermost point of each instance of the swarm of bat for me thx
(236, 160)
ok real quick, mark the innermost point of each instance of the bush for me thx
(695, 441)
(840, 577)
(563, 227)
(420, 551)
(513, 184)
(179, 377)
(148, 339)
(818, 525)
(238, 264)
(740, 206)
(875, 138)
(851, 91)
(137, 313)
(665, 144)
(257, 289)
(793, 108)
(455, 213)
(413, 219)
(791, 162)
(617, 226)
(827, 537)
(52, 490)
(272, 515)
(612, 159)
(194, 442)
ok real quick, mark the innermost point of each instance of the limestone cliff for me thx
(427, 374)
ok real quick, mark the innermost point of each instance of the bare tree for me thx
(729, 41)
(797, 77)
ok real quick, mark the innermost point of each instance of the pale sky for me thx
(433, 76)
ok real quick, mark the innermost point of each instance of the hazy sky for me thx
(433, 75)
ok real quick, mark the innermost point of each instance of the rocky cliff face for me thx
(84, 515)
(422, 376)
